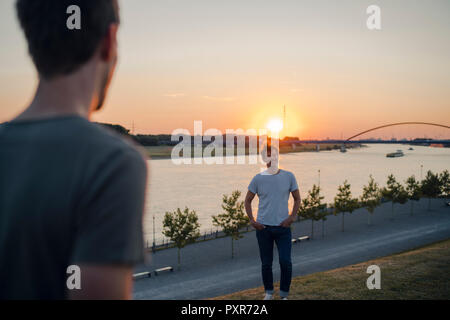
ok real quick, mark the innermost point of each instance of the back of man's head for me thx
(55, 49)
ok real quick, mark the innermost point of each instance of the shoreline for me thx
(164, 152)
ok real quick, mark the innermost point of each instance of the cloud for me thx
(174, 95)
(227, 99)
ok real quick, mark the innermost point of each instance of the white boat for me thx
(396, 154)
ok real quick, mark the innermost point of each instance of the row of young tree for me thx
(182, 227)
(433, 186)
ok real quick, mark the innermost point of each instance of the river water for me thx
(200, 187)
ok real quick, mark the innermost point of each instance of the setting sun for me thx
(275, 125)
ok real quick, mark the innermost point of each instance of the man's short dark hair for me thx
(54, 48)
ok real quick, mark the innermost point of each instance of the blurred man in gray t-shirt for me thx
(71, 192)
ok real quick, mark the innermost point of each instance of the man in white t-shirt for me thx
(273, 187)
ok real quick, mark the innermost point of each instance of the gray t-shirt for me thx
(273, 193)
(71, 192)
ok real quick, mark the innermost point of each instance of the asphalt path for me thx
(207, 269)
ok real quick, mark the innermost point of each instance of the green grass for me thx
(422, 273)
(159, 152)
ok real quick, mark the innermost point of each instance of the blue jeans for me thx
(282, 237)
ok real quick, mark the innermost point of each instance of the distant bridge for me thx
(398, 124)
(445, 142)
(336, 141)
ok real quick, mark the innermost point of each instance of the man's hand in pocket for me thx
(257, 225)
(287, 222)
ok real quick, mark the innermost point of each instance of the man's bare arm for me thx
(248, 209)
(104, 282)
(297, 200)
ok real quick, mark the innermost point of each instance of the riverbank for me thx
(421, 273)
(208, 271)
(165, 152)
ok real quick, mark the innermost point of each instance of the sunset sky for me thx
(234, 64)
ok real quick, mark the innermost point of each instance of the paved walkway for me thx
(207, 268)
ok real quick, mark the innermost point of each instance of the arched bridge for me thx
(398, 124)
(446, 142)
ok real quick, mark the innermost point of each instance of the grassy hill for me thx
(422, 273)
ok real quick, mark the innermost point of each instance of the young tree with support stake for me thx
(444, 181)
(322, 215)
(371, 198)
(233, 219)
(413, 190)
(394, 192)
(431, 187)
(343, 202)
(302, 212)
(181, 227)
(312, 206)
